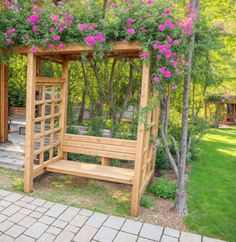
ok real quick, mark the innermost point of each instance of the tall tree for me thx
(180, 202)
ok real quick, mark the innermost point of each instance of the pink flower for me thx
(144, 55)
(11, 31)
(56, 37)
(167, 11)
(70, 16)
(162, 69)
(169, 39)
(100, 37)
(61, 46)
(162, 27)
(51, 46)
(168, 46)
(143, 30)
(130, 21)
(83, 27)
(175, 63)
(34, 28)
(90, 41)
(52, 30)
(169, 24)
(168, 53)
(8, 41)
(61, 29)
(159, 57)
(68, 22)
(150, 2)
(167, 74)
(156, 79)
(33, 19)
(176, 42)
(90, 28)
(131, 31)
(34, 50)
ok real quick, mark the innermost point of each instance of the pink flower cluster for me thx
(91, 40)
(8, 33)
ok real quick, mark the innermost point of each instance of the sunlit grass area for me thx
(212, 187)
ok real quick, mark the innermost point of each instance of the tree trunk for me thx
(180, 202)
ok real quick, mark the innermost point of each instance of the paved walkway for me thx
(26, 219)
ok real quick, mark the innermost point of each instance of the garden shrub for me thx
(163, 188)
(146, 202)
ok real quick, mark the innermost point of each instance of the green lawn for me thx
(212, 187)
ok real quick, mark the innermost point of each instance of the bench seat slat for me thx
(108, 173)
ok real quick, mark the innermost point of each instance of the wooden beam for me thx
(30, 116)
(69, 49)
(144, 99)
(3, 103)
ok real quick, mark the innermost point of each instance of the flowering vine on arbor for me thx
(163, 35)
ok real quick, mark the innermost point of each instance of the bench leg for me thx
(105, 161)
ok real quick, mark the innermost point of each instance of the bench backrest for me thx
(100, 146)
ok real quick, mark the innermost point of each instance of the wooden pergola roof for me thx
(73, 52)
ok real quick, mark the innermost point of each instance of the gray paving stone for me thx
(122, 237)
(46, 220)
(3, 218)
(9, 211)
(46, 237)
(56, 210)
(187, 237)
(105, 234)
(72, 228)
(96, 220)
(144, 240)
(79, 220)
(4, 226)
(86, 212)
(31, 206)
(207, 239)
(1, 208)
(150, 231)
(172, 232)
(26, 211)
(4, 193)
(13, 197)
(41, 209)
(53, 230)
(6, 238)
(36, 230)
(21, 204)
(132, 227)
(65, 236)
(69, 214)
(48, 205)
(60, 224)
(15, 231)
(24, 238)
(166, 238)
(85, 234)
(27, 199)
(114, 222)
(17, 217)
(38, 202)
(27, 222)
(4, 203)
(36, 214)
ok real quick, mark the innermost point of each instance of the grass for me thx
(212, 187)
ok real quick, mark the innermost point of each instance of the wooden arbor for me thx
(47, 142)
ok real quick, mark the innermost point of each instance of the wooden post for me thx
(145, 90)
(64, 96)
(105, 161)
(30, 116)
(3, 103)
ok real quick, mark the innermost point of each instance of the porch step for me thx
(11, 159)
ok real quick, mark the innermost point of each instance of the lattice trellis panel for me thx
(47, 122)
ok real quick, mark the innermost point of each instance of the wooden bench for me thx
(106, 148)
